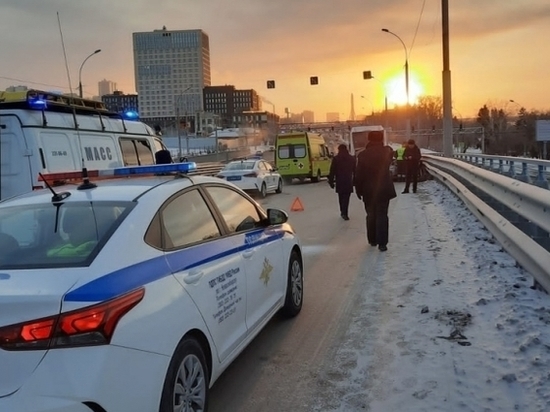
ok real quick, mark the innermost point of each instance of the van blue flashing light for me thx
(130, 115)
(36, 103)
(156, 169)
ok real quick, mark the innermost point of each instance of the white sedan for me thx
(136, 294)
(254, 175)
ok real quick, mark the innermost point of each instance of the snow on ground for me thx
(444, 321)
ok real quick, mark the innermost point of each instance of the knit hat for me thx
(376, 136)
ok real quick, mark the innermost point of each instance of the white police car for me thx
(136, 294)
(253, 174)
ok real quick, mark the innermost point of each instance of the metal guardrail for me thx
(530, 202)
(534, 171)
(207, 169)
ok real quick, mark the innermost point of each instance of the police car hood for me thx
(27, 295)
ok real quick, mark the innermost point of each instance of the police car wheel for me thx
(295, 287)
(279, 187)
(263, 191)
(187, 380)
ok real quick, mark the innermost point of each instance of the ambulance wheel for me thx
(317, 177)
(287, 180)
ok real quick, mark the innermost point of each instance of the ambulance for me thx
(45, 132)
(302, 155)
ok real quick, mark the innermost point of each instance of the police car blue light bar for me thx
(184, 167)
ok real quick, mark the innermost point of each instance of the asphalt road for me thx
(281, 369)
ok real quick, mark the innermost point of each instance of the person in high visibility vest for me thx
(401, 164)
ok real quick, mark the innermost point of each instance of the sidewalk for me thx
(444, 320)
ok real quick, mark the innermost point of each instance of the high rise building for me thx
(309, 116)
(171, 69)
(106, 87)
(333, 117)
(226, 101)
(120, 102)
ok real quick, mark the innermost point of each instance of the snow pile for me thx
(444, 321)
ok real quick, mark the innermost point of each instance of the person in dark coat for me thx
(342, 172)
(412, 157)
(374, 185)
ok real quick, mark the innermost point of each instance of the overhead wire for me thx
(417, 27)
(31, 82)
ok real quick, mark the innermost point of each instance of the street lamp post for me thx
(80, 72)
(406, 79)
(178, 101)
(370, 76)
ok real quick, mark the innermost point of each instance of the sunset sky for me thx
(500, 49)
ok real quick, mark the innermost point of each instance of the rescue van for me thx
(43, 132)
(359, 137)
(302, 155)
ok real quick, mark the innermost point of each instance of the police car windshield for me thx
(240, 166)
(64, 235)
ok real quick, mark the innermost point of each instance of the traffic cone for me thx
(297, 205)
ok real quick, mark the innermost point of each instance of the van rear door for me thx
(15, 167)
(292, 157)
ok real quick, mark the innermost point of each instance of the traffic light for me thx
(313, 80)
(433, 128)
(271, 84)
(367, 75)
(412, 129)
(460, 126)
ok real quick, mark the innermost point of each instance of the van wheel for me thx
(279, 187)
(317, 177)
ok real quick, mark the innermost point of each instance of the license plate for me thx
(233, 178)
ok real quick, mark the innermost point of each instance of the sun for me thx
(397, 93)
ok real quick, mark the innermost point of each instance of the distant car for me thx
(259, 153)
(254, 175)
(136, 294)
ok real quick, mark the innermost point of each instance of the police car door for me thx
(262, 252)
(273, 175)
(208, 266)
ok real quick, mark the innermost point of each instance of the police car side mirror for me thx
(276, 217)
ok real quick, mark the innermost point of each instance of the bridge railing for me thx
(515, 212)
(534, 171)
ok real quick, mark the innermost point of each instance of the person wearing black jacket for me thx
(374, 185)
(342, 172)
(412, 158)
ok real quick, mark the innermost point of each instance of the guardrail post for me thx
(512, 170)
(491, 165)
(524, 176)
(541, 178)
(501, 166)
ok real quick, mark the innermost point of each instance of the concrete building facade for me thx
(171, 69)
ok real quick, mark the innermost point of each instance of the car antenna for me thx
(86, 184)
(57, 197)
